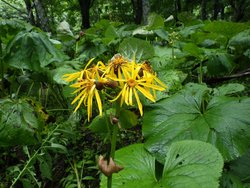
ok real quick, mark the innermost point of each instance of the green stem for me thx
(200, 77)
(200, 80)
(31, 159)
(76, 49)
(112, 152)
(1, 65)
(172, 53)
(113, 143)
(77, 176)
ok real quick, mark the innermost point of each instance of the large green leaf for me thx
(222, 121)
(220, 64)
(192, 163)
(187, 164)
(31, 50)
(10, 27)
(240, 43)
(18, 123)
(241, 167)
(228, 89)
(227, 29)
(155, 21)
(136, 48)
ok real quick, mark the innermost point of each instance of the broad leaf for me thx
(241, 167)
(240, 43)
(18, 124)
(139, 168)
(227, 29)
(155, 21)
(136, 48)
(31, 50)
(224, 122)
(220, 64)
(187, 164)
(228, 89)
(192, 164)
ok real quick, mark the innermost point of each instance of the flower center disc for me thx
(131, 83)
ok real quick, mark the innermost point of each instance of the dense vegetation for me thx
(196, 133)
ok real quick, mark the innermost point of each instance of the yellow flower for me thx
(88, 83)
(87, 90)
(77, 75)
(133, 83)
(148, 73)
(72, 76)
(116, 67)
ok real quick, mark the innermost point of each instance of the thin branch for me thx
(229, 77)
(13, 7)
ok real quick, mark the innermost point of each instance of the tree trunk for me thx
(137, 8)
(216, 9)
(85, 6)
(222, 12)
(145, 11)
(178, 5)
(188, 6)
(238, 7)
(203, 10)
(177, 9)
(29, 12)
(42, 19)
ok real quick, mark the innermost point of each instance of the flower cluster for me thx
(129, 77)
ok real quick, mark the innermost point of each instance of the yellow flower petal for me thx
(78, 96)
(130, 97)
(90, 61)
(90, 101)
(99, 102)
(145, 93)
(138, 101)
(153, 86)
(79, 104)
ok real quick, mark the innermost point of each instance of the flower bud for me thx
(99, 85)
(108, 169)
(114, 120)
(111, 84)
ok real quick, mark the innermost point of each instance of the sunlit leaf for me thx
(31, 50)
(192, 114)
(227, 29)
(136, 48)
(187, 164)
(240, 43)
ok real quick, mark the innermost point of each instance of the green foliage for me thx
(137, 49)
(187, 164)
(31, 50)
(240, 43)
(99, 125)
(228, 29)
(19, 124)
(155, 21)
(220, 64)
(220, 120)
